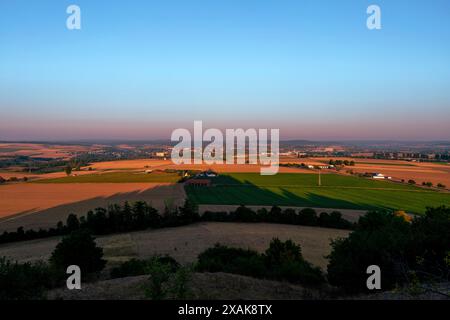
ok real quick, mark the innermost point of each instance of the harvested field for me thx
(398, 169)
(117, 177)
(43, 205)
(42, 150)
(168, 164)
(130, 164)
(185, 243)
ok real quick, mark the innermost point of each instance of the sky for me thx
(140, 69)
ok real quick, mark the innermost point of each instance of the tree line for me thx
(140, 216)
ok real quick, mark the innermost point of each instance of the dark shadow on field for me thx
(247, 193)
(157, 196)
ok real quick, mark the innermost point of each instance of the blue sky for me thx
(139, 69)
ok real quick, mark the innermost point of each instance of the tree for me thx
(430, 247)
(379, 239)
(72, 222)
(189, 211)
(307, 217)
(418, 250)
(78, 248)
(68, 169)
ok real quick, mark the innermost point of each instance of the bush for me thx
(189, 212)
(165, 282)
(429, 249)
(333, 220)
(307, 217)
(284, 261)
(24, 281)
(410, 181)
(232, 260)
(136, 267)
(159, 275)
(79, 248)
(400, 248)
(245, 214)
(281, 261)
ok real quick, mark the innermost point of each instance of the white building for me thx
(380, 176)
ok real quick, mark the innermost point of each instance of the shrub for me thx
(24, 281)
(440, 185)
(78, 248)
(159, 275)
(180, 289)
(379, 239)
(307, 217)
(333, 220)
(275, 214)
(165, 281)
(282, 261)
(285, 262)
(245, 214)
(220, 216)
(410, 181)
(400, 248)
(232, 260)
(430, 246)
(136, 267)
(189, 212)
(402, 214)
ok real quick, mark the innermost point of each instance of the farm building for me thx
(379, 176)
(208, 173)
(199, 182)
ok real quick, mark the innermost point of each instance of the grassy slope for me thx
(115, 177)
(337, 191)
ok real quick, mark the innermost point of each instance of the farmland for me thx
(36, 205)
(336, 191)
(116, 177)
(185, 243)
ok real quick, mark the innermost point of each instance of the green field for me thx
(115, 177)
(336, 191)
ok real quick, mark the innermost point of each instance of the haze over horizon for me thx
(140, 69)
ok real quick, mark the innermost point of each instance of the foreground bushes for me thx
(24, 281)
(281, 261)
(137, 267)
(404, 251)
(168, 280)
